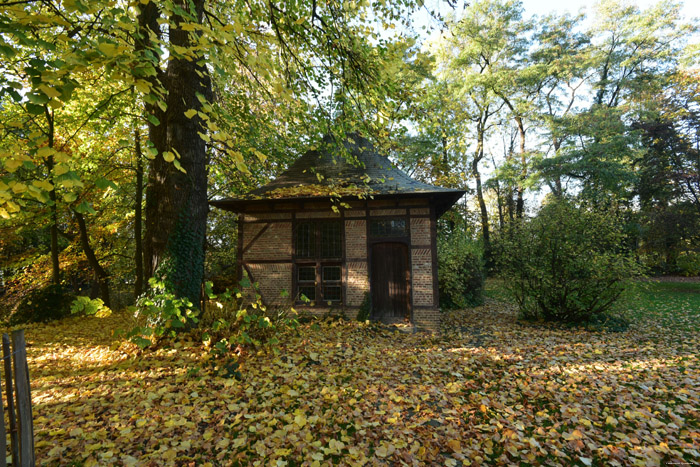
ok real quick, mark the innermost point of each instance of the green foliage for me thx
(89, 307)
(460, 273)
(231, 324)
(44, 304)
(688, 263)
(160, 313)
(566, 264)
(365, 311)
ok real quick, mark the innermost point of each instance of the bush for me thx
(365, 311)
(160, 313)
(688, 263)
(566, 264)
(45, 304)
(460, 273)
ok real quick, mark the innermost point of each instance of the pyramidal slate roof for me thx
(326, 172)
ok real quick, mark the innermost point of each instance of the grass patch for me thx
(673, 305)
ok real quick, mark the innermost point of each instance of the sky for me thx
(691, 8)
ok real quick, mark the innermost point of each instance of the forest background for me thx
(120, 120)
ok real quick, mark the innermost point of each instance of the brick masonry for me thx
(275, 243)
(356, 239)
(273, 279)
(420, 231)
(355, 213)
(422, 271)
(267, 216)
(420, 212)
(427, 319)
(387, 212)
(317, 214)
(357, 283)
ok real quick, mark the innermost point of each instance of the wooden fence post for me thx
(7, 357)
(3, 432)
(24, 401)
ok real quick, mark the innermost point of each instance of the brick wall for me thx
(387, 212)
(420, 231)
(422, 271)
(357, 283)
(420, 211)
(275, 243)
(427, 319)
(272, 279)
(267, 216)
(317, 214)
(356, 239)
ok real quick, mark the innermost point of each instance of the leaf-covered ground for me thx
(491, 391)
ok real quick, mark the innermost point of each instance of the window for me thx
(388, 227)
(318, 248)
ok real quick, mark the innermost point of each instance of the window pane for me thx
(305, 241)
(308, 292)
(331, 240)
(388, 227)
(307, 273)
(331, 293)
(331, 273)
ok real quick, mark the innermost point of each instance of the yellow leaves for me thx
(143, 86)
(168, 156)
(190, 113)
(109, 50)
(43, 184)
(49, 91)
(454, 445)
(574, 435)
(357, 394)
(12, 165)
(300, 419)
(18, 187)
(384, 450)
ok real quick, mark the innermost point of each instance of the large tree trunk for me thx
(176, 201)
(100, 273)
(138, 217)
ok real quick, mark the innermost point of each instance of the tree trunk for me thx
(100, 273)
(138, 217)
(558, 190)
(55, 265)
(479, 154)
(520, 203)
(176, 202)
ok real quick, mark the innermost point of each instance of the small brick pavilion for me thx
(332, 234)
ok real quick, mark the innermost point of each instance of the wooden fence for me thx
(19, 403)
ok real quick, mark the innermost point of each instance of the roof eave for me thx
(443, 200)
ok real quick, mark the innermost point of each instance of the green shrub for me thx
(365, 311)
(89, 307)
(460, 273)
(45, 304)
(159, 313)
(688, 263)
(566, 264)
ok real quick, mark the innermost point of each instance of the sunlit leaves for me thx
(490, 391)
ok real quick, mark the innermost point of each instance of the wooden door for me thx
(389, 282)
